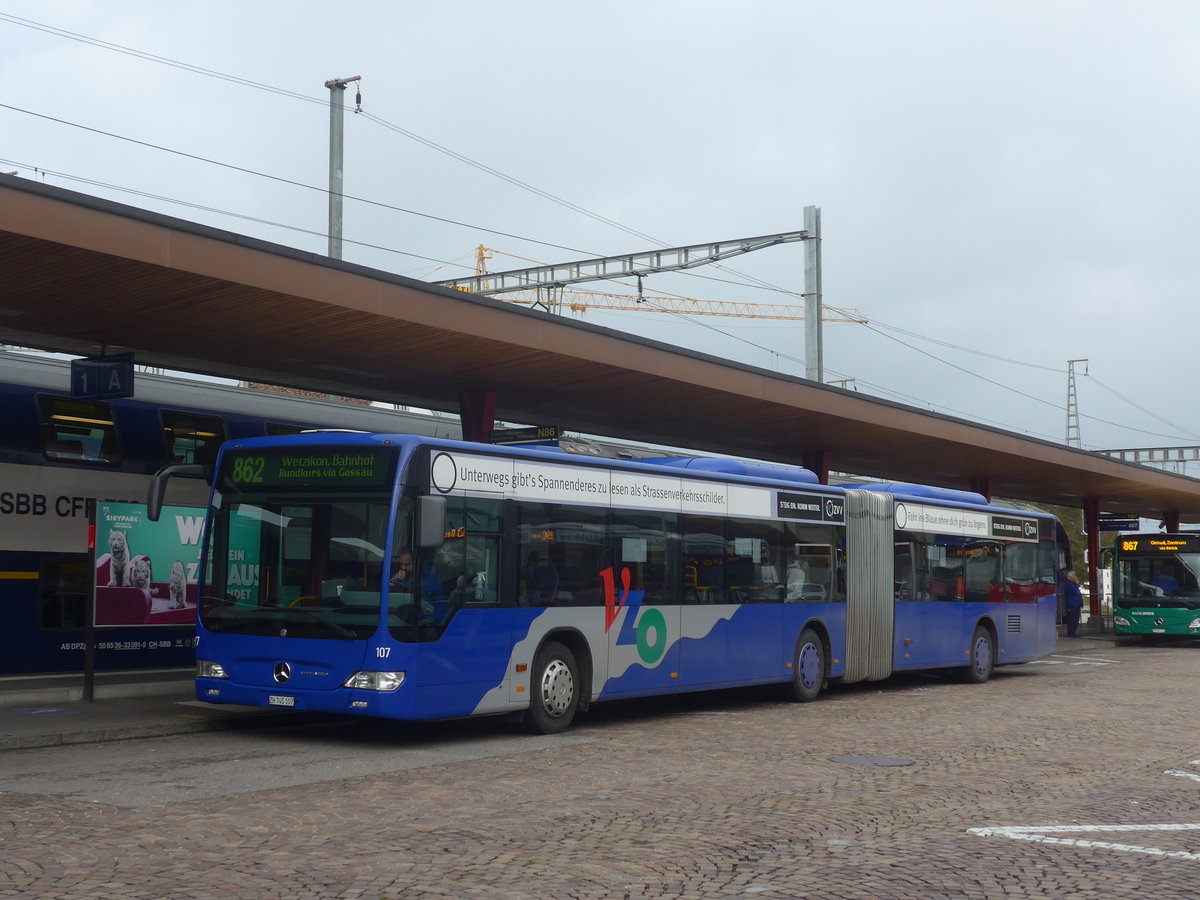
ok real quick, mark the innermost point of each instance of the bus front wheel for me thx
(554, 689)
(983, 657)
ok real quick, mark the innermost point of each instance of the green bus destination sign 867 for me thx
(251, 470)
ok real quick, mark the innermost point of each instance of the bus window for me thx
(468, 563)
(982, 570)
(756, 567)
(902, 567)
(703, 557)
(78, 431)
(811, 569)
(562, 550)
(944, 562)
(191, 438)
(641, 545)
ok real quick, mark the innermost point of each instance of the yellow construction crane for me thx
(557, 299)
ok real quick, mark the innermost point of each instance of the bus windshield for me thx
(288, 556)
(1162, 581)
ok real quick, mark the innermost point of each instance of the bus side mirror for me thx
(158, 484)
(1106, 557)
(431, 520)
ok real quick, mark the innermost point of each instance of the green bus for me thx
(1156, 584)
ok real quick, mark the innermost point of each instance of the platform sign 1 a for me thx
(102, 377)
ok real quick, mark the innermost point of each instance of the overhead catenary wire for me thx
(434, 145)
(1141, 408)
(281, 180)
(293, 182)
(67, 176)
(747, 280)
(1022, 393)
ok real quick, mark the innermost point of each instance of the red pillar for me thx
(982, 486)
(1091, 525)
(1171, 520)
(817, 461)
(477, 410)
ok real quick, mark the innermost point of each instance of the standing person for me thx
(1073, 601)
(767, 576)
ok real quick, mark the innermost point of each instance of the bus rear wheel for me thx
(554, 690)
(983, 657)
(808, 668)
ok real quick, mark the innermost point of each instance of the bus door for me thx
(466, 635)
(929, 602)
(642, 622)
(732, 620)
(1024, 580)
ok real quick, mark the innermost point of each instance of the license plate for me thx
(277, 700)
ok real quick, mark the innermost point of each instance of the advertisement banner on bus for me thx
(549, 482)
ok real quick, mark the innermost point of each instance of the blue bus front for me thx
(308, 599)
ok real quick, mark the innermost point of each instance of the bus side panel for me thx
(1047, 626)
(454, 674)
(644, 648)
(930, 634)
(755, 644)
(1019, 628)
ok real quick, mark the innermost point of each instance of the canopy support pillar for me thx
(477, 410)
(1091, 526)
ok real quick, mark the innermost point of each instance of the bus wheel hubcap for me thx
(558, 687)
(810, 660)
(983, 659)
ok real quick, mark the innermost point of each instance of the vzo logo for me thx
(648, 631)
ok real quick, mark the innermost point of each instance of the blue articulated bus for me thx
(411, 578)
(59, 455)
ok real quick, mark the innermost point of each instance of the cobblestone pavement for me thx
(729, 795)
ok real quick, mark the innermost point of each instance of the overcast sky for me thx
(1004, 186)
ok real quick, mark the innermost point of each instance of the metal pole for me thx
(1073, 436)
(89, 612)
(814, 365)
(337, 111)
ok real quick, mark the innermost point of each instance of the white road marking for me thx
(1043, 834)
(1085, 658)
(1063, 661)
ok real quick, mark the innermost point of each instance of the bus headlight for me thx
(206, 668)
(1122, 621)
(1195, 623)
(375, 681)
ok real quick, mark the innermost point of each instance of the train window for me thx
(62, 592)
(275, 428)
(191, 438)
(78, 430)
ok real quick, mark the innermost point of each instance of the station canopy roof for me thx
(82, 275)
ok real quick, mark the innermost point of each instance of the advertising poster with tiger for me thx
(146, 571)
